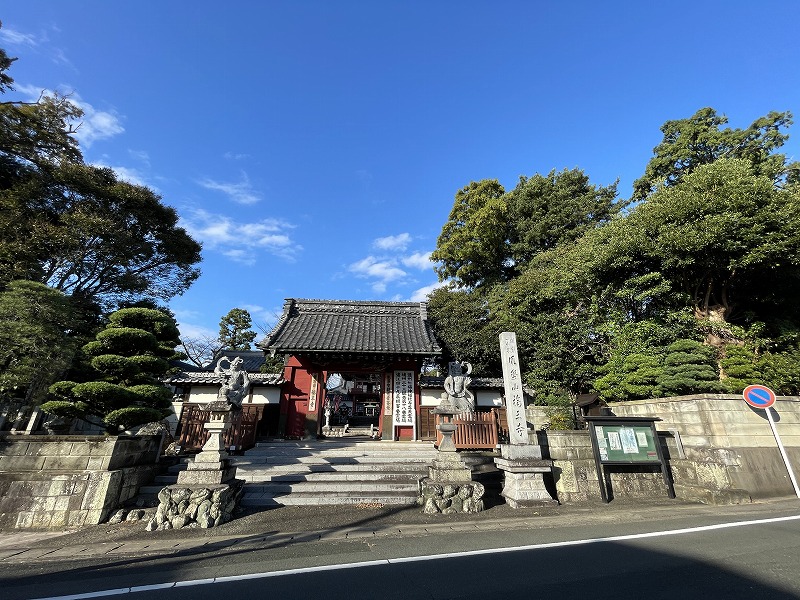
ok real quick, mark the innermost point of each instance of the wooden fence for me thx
(482, 430)
(241, 435)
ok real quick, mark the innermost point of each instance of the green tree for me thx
(234, 330)
(557, 208)
(76, 227)
(461, 322)
(37, 338)
(725, 238)
(689, 367)
(129, 357)
(82, 231)
(473, 247)
(491, 236)
(698, 140)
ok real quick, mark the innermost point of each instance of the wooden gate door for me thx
(296, 418)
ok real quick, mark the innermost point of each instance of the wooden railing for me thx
(241, 435)
(478, 430)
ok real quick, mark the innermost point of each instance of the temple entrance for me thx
(296, 421)
(353, 401)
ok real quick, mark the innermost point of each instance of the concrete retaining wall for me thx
(728, 445)
(69, 481)
(718, 449)
(575, 476)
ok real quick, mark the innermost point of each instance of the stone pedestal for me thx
(523, 469)
(207, 492)
(448, 467)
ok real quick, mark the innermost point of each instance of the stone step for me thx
(163, 480)
(339, 445)
(331, 487)
(344, 471)
(337, 452)
(330, 498)
(335, 476)
(152, 490)
(269, 461)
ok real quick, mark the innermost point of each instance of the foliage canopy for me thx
(690, 289)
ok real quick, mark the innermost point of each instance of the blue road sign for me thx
(759, 396)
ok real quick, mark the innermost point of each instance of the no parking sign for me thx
(760, 396)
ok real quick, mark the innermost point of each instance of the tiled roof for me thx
(211, 378)
(352, 327)
(252, 359)
(252, 362)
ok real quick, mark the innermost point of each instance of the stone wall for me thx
(729, 448)
(69, 481)
(718, 449)
(575, 475)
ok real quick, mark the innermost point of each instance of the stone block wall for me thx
(68, 481)
(575, 476)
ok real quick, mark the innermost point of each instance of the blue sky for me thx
(315, 147)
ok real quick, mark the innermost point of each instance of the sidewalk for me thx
(292, 525)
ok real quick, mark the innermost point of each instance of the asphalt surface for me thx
(295, 525)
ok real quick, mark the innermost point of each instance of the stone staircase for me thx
(333, 472)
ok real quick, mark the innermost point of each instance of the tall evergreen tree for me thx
(234, 330)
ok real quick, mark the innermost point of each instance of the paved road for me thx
(696, 558)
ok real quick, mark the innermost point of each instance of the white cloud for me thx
(187, 328)
(373, 268)
(393, 242)
(241, 242)
(11, 36)
(263, 317)
(140, 155)
(421, 295)
(390, 268)
(235, 156)
(241, 192)
(418, 260)
(96, 124)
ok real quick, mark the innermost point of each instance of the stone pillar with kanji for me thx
(521, 462)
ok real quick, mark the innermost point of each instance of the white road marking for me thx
(408, 559)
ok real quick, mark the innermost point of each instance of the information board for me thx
(625, 443)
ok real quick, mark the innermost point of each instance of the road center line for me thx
(408, 559)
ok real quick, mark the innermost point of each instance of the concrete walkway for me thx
(292, 525)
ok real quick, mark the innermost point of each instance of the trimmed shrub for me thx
(131, 416)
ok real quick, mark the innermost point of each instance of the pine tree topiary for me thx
(129, 357)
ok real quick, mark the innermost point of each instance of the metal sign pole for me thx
(783, 451)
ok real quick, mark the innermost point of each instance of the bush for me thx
(150, 364)
(62, 390)
(145, 318)
(61, 408)
(131, 416)
(123, 341)
(157, 396)
(102, 396)
(118, 367)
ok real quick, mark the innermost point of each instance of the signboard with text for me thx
(626, 442)
(403, 397)
(512, 381)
